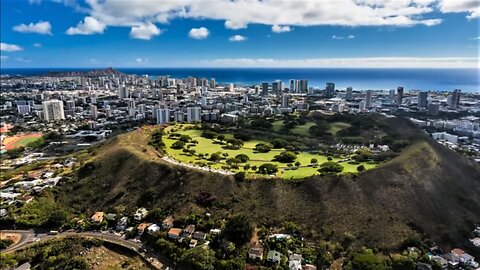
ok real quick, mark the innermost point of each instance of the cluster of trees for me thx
(156, 140)
(285, 157)
(263, 148)
(43, 212)
(330, 167)
(267, 168)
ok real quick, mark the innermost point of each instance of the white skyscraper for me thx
(122, 92)
(93, 111)
(193, 114)
(285, 101)
(368, 99)
(53, 110)
(349, 94)
(163, 116)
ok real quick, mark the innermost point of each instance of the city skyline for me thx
(347, 33)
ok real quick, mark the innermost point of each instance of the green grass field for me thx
(337, 126)
(25, 141)
(208, 146)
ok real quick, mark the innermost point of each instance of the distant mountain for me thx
(86, 73)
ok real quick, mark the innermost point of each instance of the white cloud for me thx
(336, 37)
(198, 33)
(3, 57)
(23, 60)
(281, 29)
(141, 60)
(472, 7)
(43, 28)
(475, 38)
(235, 25)
(37, 45)
(145, 31)
(366, 62)
(37, 2)
(5, 47)
(88, 26)
(237, 38)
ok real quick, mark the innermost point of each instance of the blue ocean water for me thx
(361, 79)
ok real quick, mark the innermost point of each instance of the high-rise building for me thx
(391, 94)
(193, 114)
(53, 110)
(93, 111)
(130, 103)
(454, 99)
(162, 116)
(422, 99)
(276, 87)
(330, 90)
(265, 89)
(368, 99)
(122, 92)
(399, 95)
(179, 116)
(303, 86)
(292, 88)
(70, 104)
(285, 100)
(433, 108)
(23, 109)
(349, 94)
(213, 83)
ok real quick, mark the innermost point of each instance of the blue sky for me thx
(198, 33)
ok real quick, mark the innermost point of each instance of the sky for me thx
(240, 33)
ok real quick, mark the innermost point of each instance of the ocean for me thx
(468, 80)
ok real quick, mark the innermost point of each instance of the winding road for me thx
(30, 237)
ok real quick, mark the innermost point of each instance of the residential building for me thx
(53, 110)
(330, 90)
(422, 99)
(265, 89)
(349, 94)
(193, 114)
(97, 217)
(162, 116)
(174, 233)
(399, 96)
(368, 99)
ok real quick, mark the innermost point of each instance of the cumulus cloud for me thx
(198, 33)
(281, 29)
(141, 60)
(88, 26)
(366, 62)
(5, 47)
(37, 45)
(472, 7)
(237, 38)
(475, 38)
(43, 28)
(145, 31)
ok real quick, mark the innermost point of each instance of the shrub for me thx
(178, 145)
(263, 148)
(360, 168)
(279, 143)
(285, 157)
(242, 157)
(267, 168)
(330, 167)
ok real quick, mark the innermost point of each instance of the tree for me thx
(242, 157)
(221, 137)
(285, 157)
(209, 134)
(279, 143)
(238, 230)
(178, 145)
(367, 261)
(298, 163)
(314, 161)
(215, 157)
(242, 136)
(267, 168)
(330, 167)
(240, 176)
(197, 258)
(261, 123)
(360, 168)
(262, 148)
(185, 138)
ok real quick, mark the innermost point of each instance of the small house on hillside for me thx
(97, 217)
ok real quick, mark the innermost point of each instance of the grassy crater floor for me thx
(256, 159)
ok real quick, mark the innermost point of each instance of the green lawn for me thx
(303, 129)
(337, 126)
(256, 159)
(25, 141)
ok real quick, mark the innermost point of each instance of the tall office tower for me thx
(399, 95)
(193, 114)
(70, 104)
(230, 87)
(454, 99)
(53, 110)
(213, 83)
(391, 94)
(349, 94)
(282, 86)
(433, 108)
(303, 86)
(285, 101)
(422, 99)
(141, 108)
(122, 92)
(203, 101)
(93, 111)
(23, 109)
(154, 92)
(310, 91)
(179, 116)
(292, 88)
(330, 90)
(368, 99)
(276, 87)
(130, 103)
(264, 89)
(162, 116)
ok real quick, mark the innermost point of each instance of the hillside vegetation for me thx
(427, 190)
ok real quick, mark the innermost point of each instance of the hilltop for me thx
(89, 73)
(427, 190)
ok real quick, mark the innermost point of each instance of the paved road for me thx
(29, 237)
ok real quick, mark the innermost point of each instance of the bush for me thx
(330, 167)
(263, 148)
(267, 168)
(279, 143)
(285, 157)
(178, 145)
(215, 156)
(242, 157)
(242, 136)
(185, 138)
(240, 176)
(209, 134)
(314, 161)
(360, 168)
